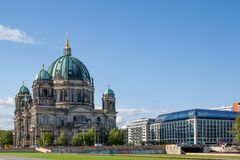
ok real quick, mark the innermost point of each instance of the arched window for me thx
(45, 120)
(61, 95)
(79, 96)
(72, 91)
(65, 96)
(75, 94)
(45, 92)
(61, 121)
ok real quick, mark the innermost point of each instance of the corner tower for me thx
(108, 101)
(109, 108)
(22, 99)
(43, 89)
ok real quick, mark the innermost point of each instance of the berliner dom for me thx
(62, 101)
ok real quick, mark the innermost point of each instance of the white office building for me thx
(139, 131)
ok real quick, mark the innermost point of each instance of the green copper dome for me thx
(43, 75)
(69, 67)
(24, 90)
(108, 91)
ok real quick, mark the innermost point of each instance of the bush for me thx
(46, 139)
(115, 137)
(62, 140)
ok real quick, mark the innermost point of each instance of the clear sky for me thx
(158, 56)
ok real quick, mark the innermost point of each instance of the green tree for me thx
(115, 137)
(62, 140)
(46, 139)
(90, 137)
(78, 139)
(6, 137)
(236, 130)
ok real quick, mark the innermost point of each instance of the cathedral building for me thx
(62, 100)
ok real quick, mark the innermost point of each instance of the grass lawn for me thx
(75, 156)
(59, 156)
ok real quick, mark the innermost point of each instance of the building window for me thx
(45, 92)
(74, 118)
(45, 120)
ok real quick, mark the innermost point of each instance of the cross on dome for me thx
(67, 48)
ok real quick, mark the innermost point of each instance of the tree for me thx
(6, 137)
(82, 138)
(78, 139)
(90, 137)
(236, 130)
(115, 137)
(62, 140)
(46, 139)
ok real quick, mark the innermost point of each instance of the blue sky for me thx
(158, 56)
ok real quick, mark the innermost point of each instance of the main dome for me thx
(68, 67)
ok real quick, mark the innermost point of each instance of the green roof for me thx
(69, 68)
(24, 90)
(108, 91)
(43, 75)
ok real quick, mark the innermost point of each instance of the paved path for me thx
(17, 158)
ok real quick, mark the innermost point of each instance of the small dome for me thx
(108, 91)
(24, 90)
(43, 75)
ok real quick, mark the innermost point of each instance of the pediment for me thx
(80, 109)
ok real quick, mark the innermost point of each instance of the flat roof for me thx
(198, 113)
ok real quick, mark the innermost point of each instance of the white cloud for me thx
(127, 115)
(14, 35)
(6, 121)
(7, 101)
(119, 119)
(6, 114)
(131, 112)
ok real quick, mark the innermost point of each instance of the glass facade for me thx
(198, 113)
(193, 127)
(175, 132)
(214, 131)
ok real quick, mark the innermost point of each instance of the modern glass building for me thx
(197, 126)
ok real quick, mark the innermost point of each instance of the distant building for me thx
(223, 108)
(197, 126)
(234, 108)
(139, 131)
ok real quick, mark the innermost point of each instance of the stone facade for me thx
(62, 101)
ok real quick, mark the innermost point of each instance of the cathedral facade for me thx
(62, 100)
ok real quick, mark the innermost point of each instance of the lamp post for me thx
(14, 139)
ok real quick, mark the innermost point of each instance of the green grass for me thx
(59, 156)
(76, 156)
